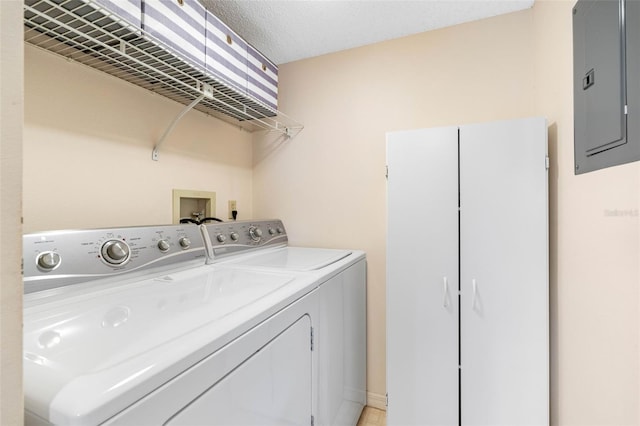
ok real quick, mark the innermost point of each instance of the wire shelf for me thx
(91, 35)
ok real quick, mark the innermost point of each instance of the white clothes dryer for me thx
(340, 276)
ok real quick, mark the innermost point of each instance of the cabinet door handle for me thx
(474, 287)
(445, 292)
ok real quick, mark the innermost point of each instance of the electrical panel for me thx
(606, 95)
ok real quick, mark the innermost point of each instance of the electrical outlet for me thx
(232, 207)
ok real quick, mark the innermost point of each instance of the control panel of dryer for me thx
(53, 259)
(226, 238)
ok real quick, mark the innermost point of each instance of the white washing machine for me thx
(340, 276)
(129, 326)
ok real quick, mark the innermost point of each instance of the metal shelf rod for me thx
(154, 154)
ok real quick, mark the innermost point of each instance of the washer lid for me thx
(86, 351)
(295, 258)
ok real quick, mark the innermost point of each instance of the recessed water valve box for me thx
(191, 204)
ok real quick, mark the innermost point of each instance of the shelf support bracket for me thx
(156, 149)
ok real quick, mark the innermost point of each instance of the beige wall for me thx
(595, 254)
(11, 111)
(87, 151)
(328, 184)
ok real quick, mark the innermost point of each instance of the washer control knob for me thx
(221, 238)
(48, 261)
(272, 231)
(163, 245)
(234, 236)
(280, 230)
(255, 233)
(184, 242)
(115, 252)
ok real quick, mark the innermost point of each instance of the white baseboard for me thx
(377, 401)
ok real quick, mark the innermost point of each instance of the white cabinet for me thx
(467, 275)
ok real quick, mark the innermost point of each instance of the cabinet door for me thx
(422, 277)
(504, 274)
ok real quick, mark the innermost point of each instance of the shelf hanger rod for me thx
(156, 149)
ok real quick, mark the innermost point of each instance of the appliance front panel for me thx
(271, 388)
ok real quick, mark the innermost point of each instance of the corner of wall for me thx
(11, 114)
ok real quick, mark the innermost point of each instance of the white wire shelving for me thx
(85, 32)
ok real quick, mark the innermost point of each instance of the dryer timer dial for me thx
(255, 233)
(115, 252)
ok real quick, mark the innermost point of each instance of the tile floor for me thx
(372, 417)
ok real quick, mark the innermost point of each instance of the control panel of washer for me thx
(53, 259)
(232, 237)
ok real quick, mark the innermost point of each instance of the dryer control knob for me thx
(48, 261)
(272, 231)
(115, 252)
(185, 242)
(255, 233)
(280, 230)
(221, 238)
(234, 236)
(163, 245)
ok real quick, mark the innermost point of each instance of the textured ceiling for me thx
(289, 30)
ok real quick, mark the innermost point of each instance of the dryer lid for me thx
(295, 258)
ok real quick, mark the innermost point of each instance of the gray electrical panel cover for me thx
(606, 104)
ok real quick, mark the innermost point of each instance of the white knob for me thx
(234, 236)
(272, 231)
(48, 260)
(221, 238)
(163, 245)
(115, 252)
(185, 242)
